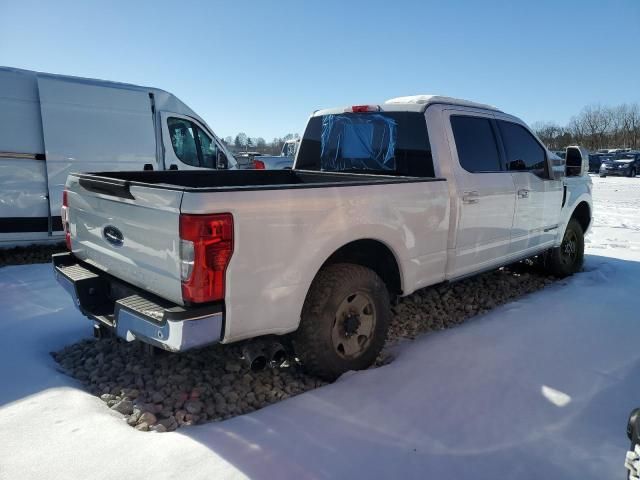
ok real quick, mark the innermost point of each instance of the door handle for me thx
(470, 197)
(523, 193)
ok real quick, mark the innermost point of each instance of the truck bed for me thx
(233, 180)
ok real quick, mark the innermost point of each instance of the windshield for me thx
(392, 143)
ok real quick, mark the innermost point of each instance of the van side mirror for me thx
(221, 161)
(575, 162)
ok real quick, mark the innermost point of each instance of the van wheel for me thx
(568, 258)
(345, 319)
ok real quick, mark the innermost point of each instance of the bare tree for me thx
(596, 120)
(550, 133)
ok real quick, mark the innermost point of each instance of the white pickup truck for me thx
(382, 200)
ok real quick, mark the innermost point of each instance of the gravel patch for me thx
(30, 254)
(165, 391)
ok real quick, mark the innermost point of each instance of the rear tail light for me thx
(206, 246)
(64, 214)
(258, 164)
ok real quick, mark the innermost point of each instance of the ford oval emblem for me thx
(112, 235)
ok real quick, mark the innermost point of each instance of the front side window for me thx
(191, 144)
(476, 144)
(183, 140)
(524, 153)
(208, 149)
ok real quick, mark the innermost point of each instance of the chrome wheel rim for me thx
(353, 325)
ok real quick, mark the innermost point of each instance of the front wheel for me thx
(345, 319)
(568, 258)
(632, 172)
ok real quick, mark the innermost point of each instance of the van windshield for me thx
(391, 143)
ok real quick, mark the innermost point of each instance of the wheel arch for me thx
(582, 213)
(373, 254)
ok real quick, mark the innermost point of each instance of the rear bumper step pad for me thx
(136, 315)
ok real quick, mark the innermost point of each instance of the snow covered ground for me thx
(538, 388)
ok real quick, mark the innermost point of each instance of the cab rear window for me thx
(391, 143)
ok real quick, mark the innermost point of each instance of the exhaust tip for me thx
(254, 358)
(278, 354)
(258, 363)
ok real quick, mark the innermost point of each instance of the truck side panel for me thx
(282, 238)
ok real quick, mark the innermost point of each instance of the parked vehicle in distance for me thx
(383, 200)
(283, 161)
(622, 164)
(51, 125)
(596, 159)
(245, 159)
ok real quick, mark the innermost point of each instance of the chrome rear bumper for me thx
(136, 315)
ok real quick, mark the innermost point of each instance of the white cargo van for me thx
(51, 125)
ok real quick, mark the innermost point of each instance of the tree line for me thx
(244, 143)
(595, 127)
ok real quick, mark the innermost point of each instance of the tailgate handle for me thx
(107, 187)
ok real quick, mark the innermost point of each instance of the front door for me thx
(485, 192)
(538, 196)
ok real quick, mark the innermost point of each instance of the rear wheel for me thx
(569, 257)
(344, 322)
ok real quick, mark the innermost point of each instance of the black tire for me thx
(568, 258)
(315, 340)
(602, 176)
(632, 172)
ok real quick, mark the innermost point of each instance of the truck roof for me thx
(414, 103)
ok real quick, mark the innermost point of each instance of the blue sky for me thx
(261, 67)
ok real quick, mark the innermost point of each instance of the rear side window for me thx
(524, 153)
(476, 144)
(392, 143)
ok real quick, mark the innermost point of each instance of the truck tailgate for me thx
(129, 231)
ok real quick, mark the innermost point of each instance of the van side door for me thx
(538, 194)
(485, 198)
(188, 145)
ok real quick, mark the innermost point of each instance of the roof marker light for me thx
(363, 108)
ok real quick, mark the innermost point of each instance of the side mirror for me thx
(577, 162)
(221, 161)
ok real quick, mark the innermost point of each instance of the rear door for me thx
(91, 127)
(485, 192)
(538, 196)
(188, 145)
